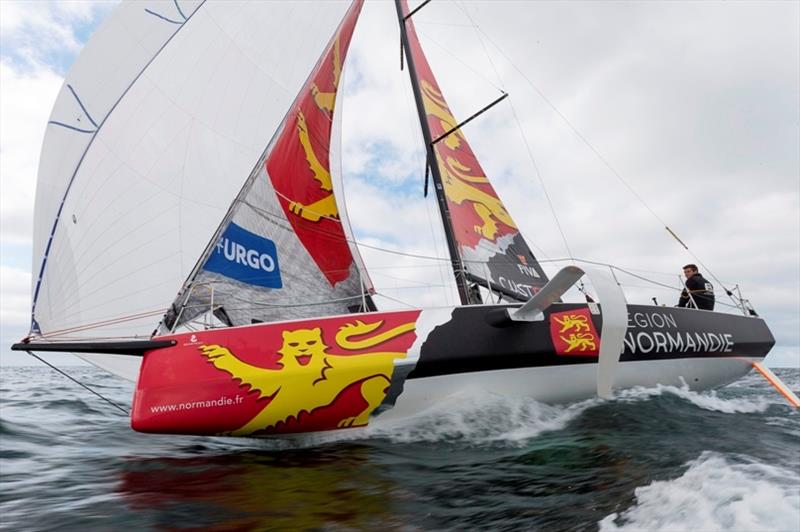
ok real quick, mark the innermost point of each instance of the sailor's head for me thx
(689, 270)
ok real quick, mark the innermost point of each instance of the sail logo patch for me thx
(573, 333)
(245, 257)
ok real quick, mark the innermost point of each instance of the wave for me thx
(715, 494)
(490, 418)
(707, 400)
(461, 419)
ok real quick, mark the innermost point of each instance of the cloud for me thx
(47, 33)
(27, 97)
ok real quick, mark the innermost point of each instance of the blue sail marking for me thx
(62, 124)
(162, 17)
(245, 257)
(179, 9)
(83, 108)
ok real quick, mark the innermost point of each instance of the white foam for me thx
(487, 418)
(715, 494)
(708, 400)
(467, 419)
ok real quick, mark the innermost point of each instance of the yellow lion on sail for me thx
(325, 207)
(311, 377)
(457, 177)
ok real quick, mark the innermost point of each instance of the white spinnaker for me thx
(184, 110)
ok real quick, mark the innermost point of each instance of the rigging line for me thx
(465, 64)
(472, 117)
(474, 26)
(602, 159)
(79, 383)
(109, 321)
(85, 339)
(253, 304)
(478, 33)
(570, 258)
(623, 271)
(335, 237)
(394, 299)
(423, 4)
(434, 23)
(417, 284)
(423, 162)
(541, 179)
(277, 305)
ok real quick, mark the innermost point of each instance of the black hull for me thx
(469, 343)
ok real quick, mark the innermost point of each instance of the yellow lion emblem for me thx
(572, 321)
(580, 341)
(311, 377)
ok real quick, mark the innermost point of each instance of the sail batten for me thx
(485, 240)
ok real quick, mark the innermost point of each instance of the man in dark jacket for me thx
(699, 293)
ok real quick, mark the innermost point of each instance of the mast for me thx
(452, 246)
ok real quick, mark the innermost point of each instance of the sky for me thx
(622, 117)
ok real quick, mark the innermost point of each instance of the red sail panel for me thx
(299, 163)
(487, 237)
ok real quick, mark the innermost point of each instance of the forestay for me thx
(492, 249)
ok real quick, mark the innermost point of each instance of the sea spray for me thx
(715, 493)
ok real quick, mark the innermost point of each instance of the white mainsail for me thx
(157, 126)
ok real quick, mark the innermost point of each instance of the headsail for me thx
(282, 251)
(492, 249)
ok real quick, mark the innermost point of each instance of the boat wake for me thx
(466, 419)
(708, 400)
(715, 493)
(491, 418)
(485, 419)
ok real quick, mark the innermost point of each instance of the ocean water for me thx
(650, 459)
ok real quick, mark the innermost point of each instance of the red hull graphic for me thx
(574, 334)
(299, 376)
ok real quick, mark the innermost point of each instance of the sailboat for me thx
(274, 328)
